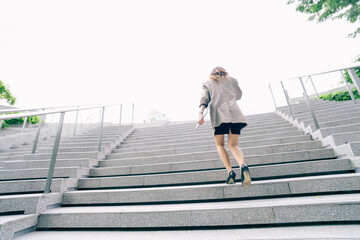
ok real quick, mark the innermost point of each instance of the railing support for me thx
(317, 95)
(287, 98)
(42, 118)
(354, 77)
(120, 119)
(309, 104)
(54, 154)
(132, 118)
(348, 87)
(51, 122)
(101, 129)
(272, 96)
(1, 122)
(24, 124)
(76, 119)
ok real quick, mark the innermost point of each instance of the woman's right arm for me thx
(204, 102)
(201, 115)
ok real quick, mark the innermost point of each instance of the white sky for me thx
(157, 53)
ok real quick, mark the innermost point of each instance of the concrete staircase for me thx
(339, 124)
(23, 176)
(170, 178)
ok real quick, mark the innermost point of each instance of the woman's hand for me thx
(201, 119)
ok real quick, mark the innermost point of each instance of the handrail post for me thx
(317, 95)
(120, 119)
(1, 121)
(24, 124)
(272, 96)
(54, 154)
(132, 118)
(51, 122)
(42, 118)
(354, 77)
(76, 119)
(101, 129)
(348, 87)
(308, 102)
(287, 98)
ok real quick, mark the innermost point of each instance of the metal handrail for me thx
(33, 109)
(352, 75)
(72, 109)
(59, 130)
(316, 74)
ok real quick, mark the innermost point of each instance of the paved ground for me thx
(313, 232)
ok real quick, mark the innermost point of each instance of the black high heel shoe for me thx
(245, 176)
(231, 178)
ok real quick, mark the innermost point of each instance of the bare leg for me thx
(220, 145)
(239, 157)
(233, 143)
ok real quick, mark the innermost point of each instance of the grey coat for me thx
(222, 99)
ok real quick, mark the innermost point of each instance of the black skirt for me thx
(225, 127)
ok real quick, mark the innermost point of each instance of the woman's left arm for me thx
(238, 91)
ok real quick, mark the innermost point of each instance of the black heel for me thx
(231, 178)
(245, 176)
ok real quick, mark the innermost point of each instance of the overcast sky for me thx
(157, 53)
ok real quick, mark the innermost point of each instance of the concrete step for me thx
(287, 187)
(324, 132)
(36, 186)
(261, 149)
(81, 138)
(197, 166)
(334, 123)
(218, 175)
(28, 203)
(24, 174)
(14, 153)
(250, 159)
(336, 115)
(242, 144)
(350, 115)
(45, 156)
(210, 134)
(85, 162)
(329, 231)
(300, 108)
(206, 129)
(327, 111)
(108, 144)
(310, 209)
(13, 225)
(104, 150)
(304, 104)
(196, 138)
(355, 147)
(341, 138)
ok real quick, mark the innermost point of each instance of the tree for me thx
(322, 10)
(6, 94)
(347, 76)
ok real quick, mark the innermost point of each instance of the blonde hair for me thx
(215, 70)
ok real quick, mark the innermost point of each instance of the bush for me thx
(18, 121)
(340, 96)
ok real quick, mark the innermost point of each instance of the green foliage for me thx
(347, 76)
(18, 121)
(340, 96)
(322, 10)
(6, 94)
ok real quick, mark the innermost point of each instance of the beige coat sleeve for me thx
(205, 96)
(237, 89)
